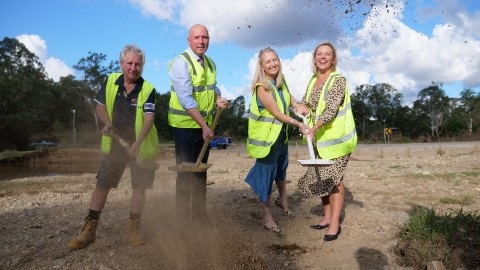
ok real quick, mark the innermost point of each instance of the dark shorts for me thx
(113, 166)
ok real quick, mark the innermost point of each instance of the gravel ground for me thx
(39, 215)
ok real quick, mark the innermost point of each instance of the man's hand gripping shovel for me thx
(146, 164)
(198, 166)
(312, 161)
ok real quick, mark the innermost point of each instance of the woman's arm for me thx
(271, 105)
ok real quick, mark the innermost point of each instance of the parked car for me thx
(43, 145)
(220, 142)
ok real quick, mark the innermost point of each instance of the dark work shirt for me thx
(124, 107)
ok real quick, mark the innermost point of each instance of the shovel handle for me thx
(309, 139)
(207, 141)
(127, 147)
(120, 140)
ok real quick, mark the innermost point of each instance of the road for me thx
(418, 145)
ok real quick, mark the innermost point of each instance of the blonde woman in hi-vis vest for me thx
(333, 129)
(268, 134)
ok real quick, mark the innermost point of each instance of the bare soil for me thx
(39, 215)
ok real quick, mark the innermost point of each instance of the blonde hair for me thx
(260, 77)
(334, 65)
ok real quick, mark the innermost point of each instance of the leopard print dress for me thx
(321, 181)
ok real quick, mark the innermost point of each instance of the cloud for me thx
(407, 59)
(298, 73)
(296, 70)
(34, 44)
(54, 67)
(163, 10)
(389, 51)
(377, 41)
(254, 24)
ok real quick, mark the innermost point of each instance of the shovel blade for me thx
(315, 162)
(190, 167)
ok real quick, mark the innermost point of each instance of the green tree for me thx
(431, 107)
(238, 107)
(70, 97)
(362, 112)
(233, 121)
(94, 74)
(161, 117)
(25, 97)
(405, 121)
(375, 106)
(463, 114)
(470, 101)
(384, 100)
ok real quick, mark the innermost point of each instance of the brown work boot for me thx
(86, 236)
(134, 236)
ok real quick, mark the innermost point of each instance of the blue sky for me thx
(408, 44)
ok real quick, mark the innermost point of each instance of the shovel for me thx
(198, 166)
(146, 164)
(312, 161)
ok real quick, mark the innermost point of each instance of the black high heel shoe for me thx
(331, 237)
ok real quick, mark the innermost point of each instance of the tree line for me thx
(34, 107)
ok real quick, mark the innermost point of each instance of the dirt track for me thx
(41, 214)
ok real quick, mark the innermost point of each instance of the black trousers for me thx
(191, 187)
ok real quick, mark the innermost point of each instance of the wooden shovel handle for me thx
(147, 164)
(120, 140)
(207, 141)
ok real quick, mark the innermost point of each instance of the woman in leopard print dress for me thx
(326, 181)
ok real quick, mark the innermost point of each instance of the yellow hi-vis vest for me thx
(150, 145)
(203, 81)
(263, 128)
(339, 137)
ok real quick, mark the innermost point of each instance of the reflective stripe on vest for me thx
(203, 91)
(263, 128)
(200, 88)
(345, 138)
(149, 146)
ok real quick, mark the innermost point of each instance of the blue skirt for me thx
(268, 169)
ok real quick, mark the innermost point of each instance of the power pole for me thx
(74, 129)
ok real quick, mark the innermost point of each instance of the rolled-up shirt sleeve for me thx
(182, 83)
